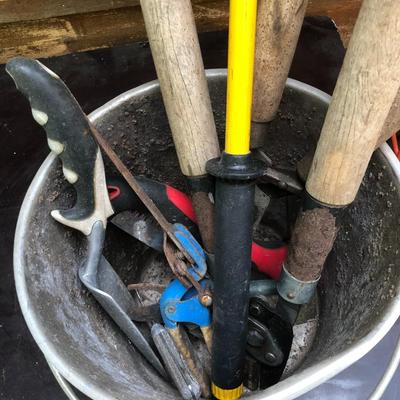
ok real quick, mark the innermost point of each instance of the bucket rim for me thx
(290, 388)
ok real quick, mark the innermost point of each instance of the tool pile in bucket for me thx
(228, 317)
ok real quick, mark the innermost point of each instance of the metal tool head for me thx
(270, 338)
(261, 202)
(106, 286)
(144, 228)
(262, 287)
(186, 383)
(284, 179)
(140, 226)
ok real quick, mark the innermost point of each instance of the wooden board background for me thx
(44, 28)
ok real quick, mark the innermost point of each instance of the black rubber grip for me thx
(67, 128)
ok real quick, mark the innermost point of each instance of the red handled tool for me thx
(176, 206)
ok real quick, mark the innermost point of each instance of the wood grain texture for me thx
(185, 348)
(22, 10)
(278, 28)
(57, 36)
(176, 52)
(83, 32)
(364, 94)
(343, 12)
(61, 27)
(392, 123)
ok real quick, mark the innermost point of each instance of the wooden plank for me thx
(81, 32)
(343, 12)
(23, 10)
(57, 36)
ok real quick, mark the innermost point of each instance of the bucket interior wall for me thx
(359, 282)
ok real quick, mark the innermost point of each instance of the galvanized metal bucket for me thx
(359, 290)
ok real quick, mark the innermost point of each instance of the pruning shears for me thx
(69, 136)
(177, 207)
(180, 304)
(67, 129)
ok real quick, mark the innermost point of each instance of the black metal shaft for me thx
(234, 206)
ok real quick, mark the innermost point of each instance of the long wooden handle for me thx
(176, 52)
(364, 94)
(392, 123)
(278, 27)
(391, 126)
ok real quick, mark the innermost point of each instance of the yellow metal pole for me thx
(242, 31)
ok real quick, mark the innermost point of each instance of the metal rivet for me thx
(255, 310)
(206, 300)
(171, 309)
(271, 357)
(290, 295)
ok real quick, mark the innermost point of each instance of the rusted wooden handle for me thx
(184, 346)
(176, 52)
(207, 335)
(364, 94)
(278, 27)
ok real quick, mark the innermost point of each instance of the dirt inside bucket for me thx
(365, 252)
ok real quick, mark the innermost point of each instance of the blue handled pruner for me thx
(198, 267)
(180, 304)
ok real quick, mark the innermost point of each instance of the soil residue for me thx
(204, 210)
(312, 240)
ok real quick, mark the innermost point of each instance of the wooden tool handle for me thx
(278, 27)
(176, 52)
(207, 335)
(391, 126)
(364, 94)
(392, 123)
(185, 348)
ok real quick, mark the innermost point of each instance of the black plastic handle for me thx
(175, 205)
(68, 134)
